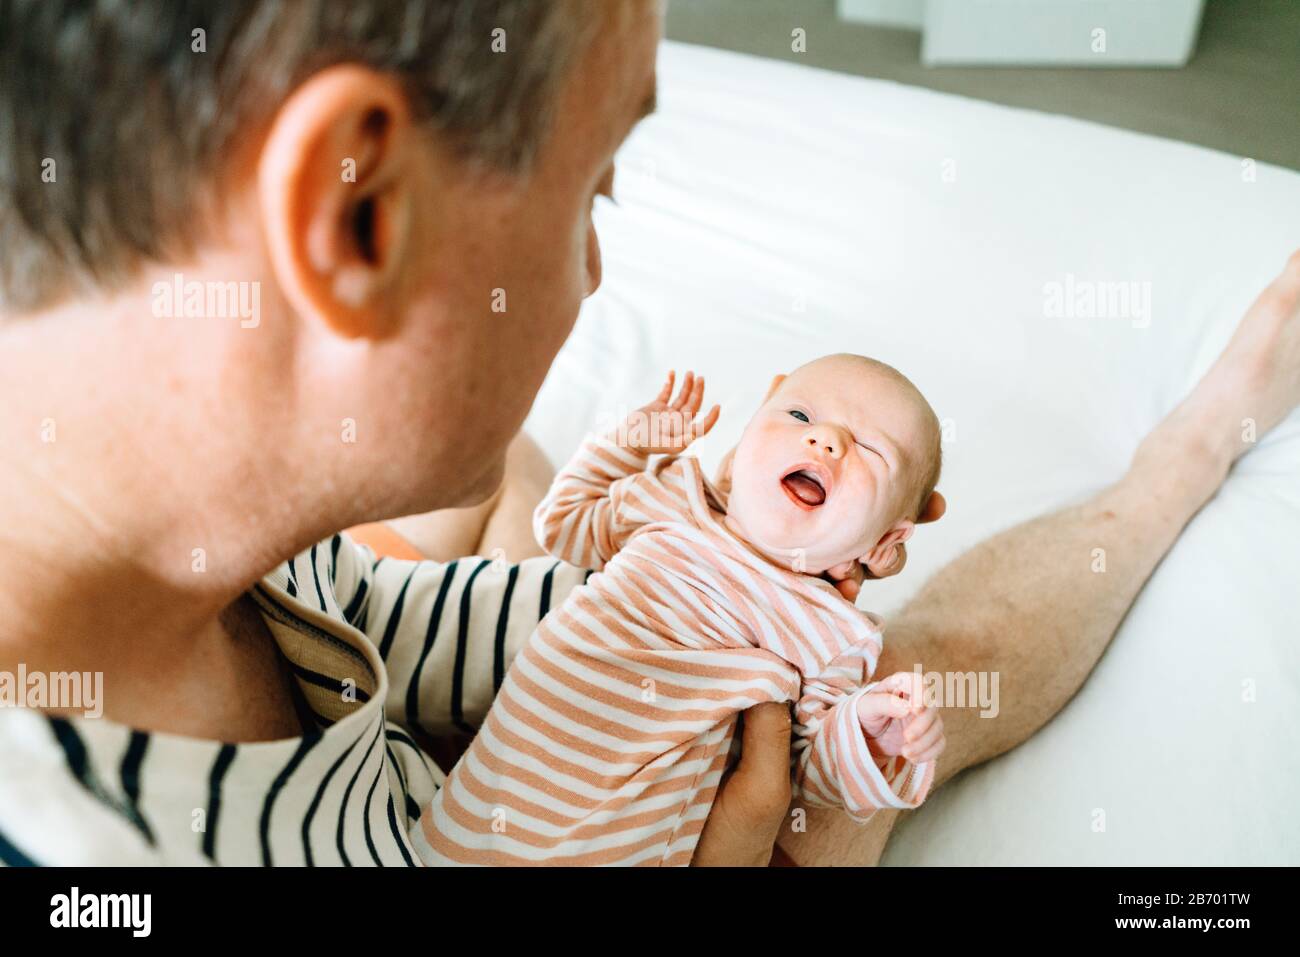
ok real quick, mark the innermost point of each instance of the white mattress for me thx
(771, 213)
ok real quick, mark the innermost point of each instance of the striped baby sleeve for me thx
(601, 497)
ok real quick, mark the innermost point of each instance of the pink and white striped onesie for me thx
(612, 729)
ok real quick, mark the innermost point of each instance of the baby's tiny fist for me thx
(881, 715)
(923, 736)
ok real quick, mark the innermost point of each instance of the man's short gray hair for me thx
(114, 115)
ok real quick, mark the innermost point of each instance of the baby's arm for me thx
(583, 519)
(851, 738)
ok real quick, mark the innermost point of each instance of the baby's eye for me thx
(799, 415)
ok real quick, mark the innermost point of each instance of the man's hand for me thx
(668, 425)
(752, 802)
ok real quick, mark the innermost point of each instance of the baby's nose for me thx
(827, 439)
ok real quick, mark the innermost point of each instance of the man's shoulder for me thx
(53, 809)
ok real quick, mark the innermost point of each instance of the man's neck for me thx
(126, 531)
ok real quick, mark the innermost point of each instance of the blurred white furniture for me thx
(1092, 33)
(883, 13)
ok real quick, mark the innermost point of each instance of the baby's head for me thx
(836, 465)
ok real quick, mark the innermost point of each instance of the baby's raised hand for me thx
(668, 425)
(897, 721)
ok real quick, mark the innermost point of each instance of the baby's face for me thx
(825, 470)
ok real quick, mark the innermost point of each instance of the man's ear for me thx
(336, 196)
(897, 535)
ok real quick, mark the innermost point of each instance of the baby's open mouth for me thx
(805, 488)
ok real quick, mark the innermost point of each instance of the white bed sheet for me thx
(771, 213)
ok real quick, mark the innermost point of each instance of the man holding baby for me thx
(379, 170)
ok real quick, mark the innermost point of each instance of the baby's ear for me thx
(842, 570)
(896, 536)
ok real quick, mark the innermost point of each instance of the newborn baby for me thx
(610, 734)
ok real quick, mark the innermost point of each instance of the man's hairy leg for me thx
(1025, 603)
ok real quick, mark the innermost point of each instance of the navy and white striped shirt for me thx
(377, 648)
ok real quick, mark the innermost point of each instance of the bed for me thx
(771, 213)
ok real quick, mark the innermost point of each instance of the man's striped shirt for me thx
(377, 647)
